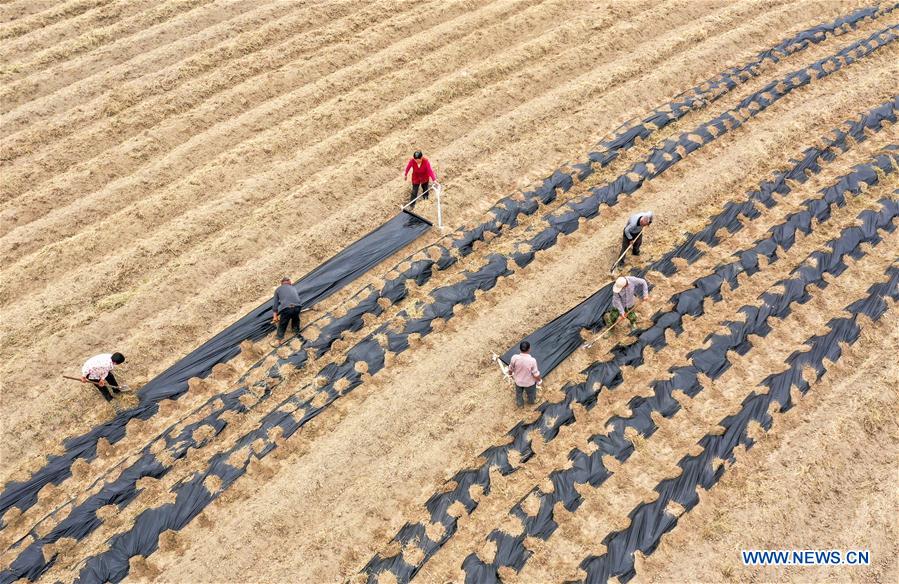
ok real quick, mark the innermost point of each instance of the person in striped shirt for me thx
(98, 370)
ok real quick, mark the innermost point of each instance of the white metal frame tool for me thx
(438, 190)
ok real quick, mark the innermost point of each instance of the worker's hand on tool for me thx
(84, 380)
(275, 317)
(102, 383)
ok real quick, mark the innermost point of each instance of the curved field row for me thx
(21, 88)
(263, 436)
(381, 473)
(172, 91)
(211, 267)
(18, 9)
(195, 424)
(41, 18)
(747, 420)
(606, 373)
(191, 33)
(48, 36)
(861, 425)
(625, 432)
(175, 92)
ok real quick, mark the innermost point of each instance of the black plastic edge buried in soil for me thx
(24, 494)
(650, 521)
(710, 361)
(697, 97)
(561, 413)
(293, 413)
(566, 219)
(82, 518)
(328, 278)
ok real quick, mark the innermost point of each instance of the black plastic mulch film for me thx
(651, 520)
(192, 496)
(314, 287)
(172, 382)
(565, 331)
(711, 361)
(295, 411)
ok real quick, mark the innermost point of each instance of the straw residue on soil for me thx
(164, 163)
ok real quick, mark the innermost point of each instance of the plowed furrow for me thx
(62, 11)
(608, 373)
(712, 454)
(17, 10)
(48, 36)
(185, 35)
(243, 451)
(29, 80)
(278, 37)
(626, 432)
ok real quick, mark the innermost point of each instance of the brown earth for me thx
(823, 478)
(164, 163)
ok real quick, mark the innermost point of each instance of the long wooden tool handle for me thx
(89, 381)
(624, 253)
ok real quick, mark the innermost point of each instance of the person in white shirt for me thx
(98, 370)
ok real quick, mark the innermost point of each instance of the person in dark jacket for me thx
(286, 308)
(422, 175)
(633, 233)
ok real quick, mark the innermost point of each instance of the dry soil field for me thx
(165, 162)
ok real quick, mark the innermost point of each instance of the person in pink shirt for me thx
(524, 372)
(422, 175)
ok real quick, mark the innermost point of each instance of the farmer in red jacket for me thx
(422, 174)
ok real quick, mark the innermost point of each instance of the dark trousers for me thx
(288, 315)
(104, 391)
(521, 391)
(424, 188)
(626, 242)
